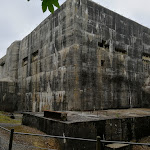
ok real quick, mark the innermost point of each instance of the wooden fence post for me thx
(98, 143)
(11, 139)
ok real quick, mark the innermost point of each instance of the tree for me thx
(49, 4)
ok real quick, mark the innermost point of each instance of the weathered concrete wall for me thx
(82, 57)
(125, 129)
(115, 59)
(47, 63)
(9, 63)
(8, 97)
(2, 63)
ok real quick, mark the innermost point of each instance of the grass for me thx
(35, 141)
(26, 139)
(6, 119)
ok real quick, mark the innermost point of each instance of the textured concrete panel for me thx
(82, 57)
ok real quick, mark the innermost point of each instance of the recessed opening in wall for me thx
(146, 57)
(25, 61)
(102, 62)
(56, 21)
(90, 11)
(106, 46)
(2, 64)
(121, 51)
(103, 44)
(35, 56)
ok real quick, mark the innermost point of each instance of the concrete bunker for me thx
(83, 57)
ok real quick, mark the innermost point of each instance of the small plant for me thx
(49, 4)
(117, 115)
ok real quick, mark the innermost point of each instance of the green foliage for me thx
(49, 4)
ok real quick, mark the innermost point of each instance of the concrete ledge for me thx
(55, 115)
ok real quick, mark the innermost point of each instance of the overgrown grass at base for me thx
(35, 141)
(22, 140)
(6, 119)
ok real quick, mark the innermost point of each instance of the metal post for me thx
(98, 143)
(11, 139)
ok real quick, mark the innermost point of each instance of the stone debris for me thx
(55, 115)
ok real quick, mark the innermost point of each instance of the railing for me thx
(6, 143)
(98, 141)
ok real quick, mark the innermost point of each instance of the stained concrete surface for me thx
(81, 57)
(116, 125)
(78, 116)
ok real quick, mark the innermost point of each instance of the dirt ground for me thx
(143, 140)
(24, 142)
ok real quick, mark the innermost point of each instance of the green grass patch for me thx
(6, 119)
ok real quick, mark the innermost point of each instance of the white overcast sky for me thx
(19, 17)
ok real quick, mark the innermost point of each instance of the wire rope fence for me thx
(4, 138)
(9, 136)
(11, 140)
